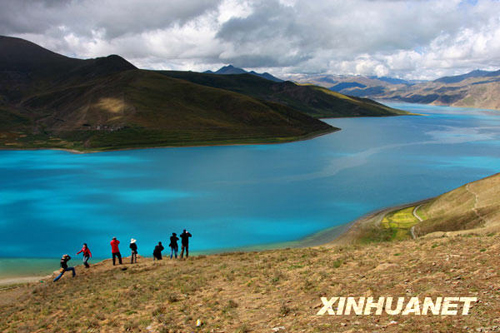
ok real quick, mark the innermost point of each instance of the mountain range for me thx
(310, 99)
(231, 70)
(478, 89)
(50, 100)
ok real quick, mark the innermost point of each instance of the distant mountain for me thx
(231, 70)
(352, 85)
(479, 89)
(313, 100)
(390, 80)
(49, 100)
(345, 85)
(470, 75)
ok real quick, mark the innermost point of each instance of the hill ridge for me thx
(52, 101)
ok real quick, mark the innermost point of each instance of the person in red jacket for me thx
(115, 251)
(86, 254)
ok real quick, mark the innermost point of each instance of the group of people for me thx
(174, 246)
(115, 252)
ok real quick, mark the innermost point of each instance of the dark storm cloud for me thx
(114, 18)
(24, 16)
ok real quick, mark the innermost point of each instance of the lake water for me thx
(235, 196)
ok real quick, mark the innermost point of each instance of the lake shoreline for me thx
(307, 171)
(351, 235)
(305, 137)
(334, 236)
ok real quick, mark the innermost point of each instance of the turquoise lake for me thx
(237, 196)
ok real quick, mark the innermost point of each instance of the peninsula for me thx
(48, 100)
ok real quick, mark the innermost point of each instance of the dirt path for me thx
(415, 213)
(474, 208)
(412, 229)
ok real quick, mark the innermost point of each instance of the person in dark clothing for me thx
(115, 251)
(157, 251)
(86, 254)
(133, 247)
(173, 245)
(64, 267)
(185, 243)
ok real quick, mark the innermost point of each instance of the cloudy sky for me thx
(417, 39)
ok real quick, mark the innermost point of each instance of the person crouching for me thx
(157, 251)
(64, 267)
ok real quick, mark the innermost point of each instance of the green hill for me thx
(312, 100)
(49, 100)
(471, 208)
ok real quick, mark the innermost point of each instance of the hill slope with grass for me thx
(51, 101)
(474, 206)
(312, 100)
(471, 208)
(269, 291)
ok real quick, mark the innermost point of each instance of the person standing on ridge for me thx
(133, 247)
(173, 245)
(157, 251)
(64, 267)
(115, 251)
(185, 243)
(86, 254)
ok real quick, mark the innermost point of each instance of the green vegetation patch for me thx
(400, 223)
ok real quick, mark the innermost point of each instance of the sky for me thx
(419, 39)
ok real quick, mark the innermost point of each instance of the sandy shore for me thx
(25, 279)
(73, 151)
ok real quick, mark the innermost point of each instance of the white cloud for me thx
(408, 39)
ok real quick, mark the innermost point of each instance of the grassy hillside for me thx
(139, 108)
(472, 208)
(270, 291)
(312, 100)
(48, 100)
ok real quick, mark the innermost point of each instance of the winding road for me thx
(412, 229)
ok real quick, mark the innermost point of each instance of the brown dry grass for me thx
(112, 105)
(475, 205)
(256, 292)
